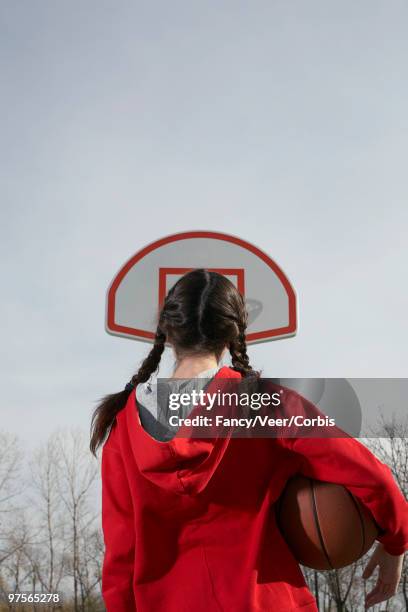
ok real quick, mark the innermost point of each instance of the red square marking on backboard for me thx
(165, 272)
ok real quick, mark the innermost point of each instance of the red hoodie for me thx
(189, 524)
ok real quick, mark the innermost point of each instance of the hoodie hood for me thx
(183, 464)
(152, 401)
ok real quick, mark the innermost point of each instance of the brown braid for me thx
(152, 361)
(239, 355)
(104, 415)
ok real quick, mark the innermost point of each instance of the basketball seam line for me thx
(316, 517)
(361, 519)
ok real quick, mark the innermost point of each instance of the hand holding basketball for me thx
(389, 574)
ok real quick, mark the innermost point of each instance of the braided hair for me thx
(104, 415)
(203, 313)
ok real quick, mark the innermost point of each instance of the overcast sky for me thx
(283, 122)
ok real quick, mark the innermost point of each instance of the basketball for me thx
(324, 525)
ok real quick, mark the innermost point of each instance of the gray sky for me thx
(284, 123)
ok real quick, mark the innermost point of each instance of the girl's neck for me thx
(192, 365)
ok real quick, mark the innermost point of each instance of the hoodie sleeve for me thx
(118, 531)
(345, 460)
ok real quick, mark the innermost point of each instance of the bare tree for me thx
(47, 554)
(90, 563)
(76, 486)
(390, 444)
(50, 532)
(14, 568)
(10, 487)
(10, 467)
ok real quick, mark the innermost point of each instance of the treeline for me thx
(50, 535)
(50, 528)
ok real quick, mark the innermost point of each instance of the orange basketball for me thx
(324, 525)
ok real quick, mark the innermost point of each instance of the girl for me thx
(189, 524)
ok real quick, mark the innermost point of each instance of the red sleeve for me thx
(118, 531)
(345, 460)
